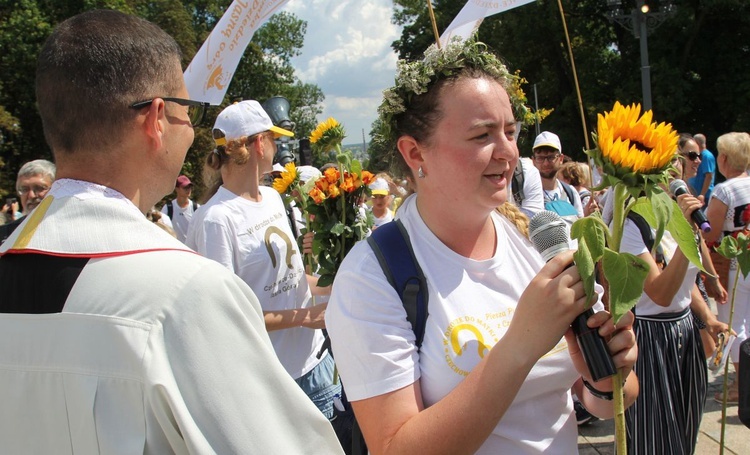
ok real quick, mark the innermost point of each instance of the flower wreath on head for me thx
(414, 78)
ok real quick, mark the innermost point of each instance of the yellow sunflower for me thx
(287, 178)
(633, 149)
(327, 135)
(633, 143)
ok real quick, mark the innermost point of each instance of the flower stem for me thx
(619, 404)
(343, 203)
(725, 384)
(620, 194)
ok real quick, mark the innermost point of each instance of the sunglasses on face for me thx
(196, 109)
(692, 156)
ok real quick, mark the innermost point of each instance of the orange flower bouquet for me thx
(337, 216)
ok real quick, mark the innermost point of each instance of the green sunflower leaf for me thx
(626, 274)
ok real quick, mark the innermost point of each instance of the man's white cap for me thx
(245, 118)
(547, 139)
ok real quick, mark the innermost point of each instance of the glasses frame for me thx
(692, 156)
(22, 191)
(201, 112)
(548, 158)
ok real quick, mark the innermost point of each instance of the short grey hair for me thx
(38, 167)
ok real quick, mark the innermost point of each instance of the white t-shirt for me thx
(254, 240)
(533, 195)
(735, 193)
(471, 305)
(386, 218)
(180, 218)
(632, 242)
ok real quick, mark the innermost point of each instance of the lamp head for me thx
(277, 108)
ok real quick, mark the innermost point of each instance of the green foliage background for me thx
(264, 71)
(699, 59)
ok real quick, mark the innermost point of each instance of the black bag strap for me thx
(517, 183)
(392, 247)
(170, 210)
(648, 236)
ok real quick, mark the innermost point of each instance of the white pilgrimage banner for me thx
(209, 74)
(471, 15)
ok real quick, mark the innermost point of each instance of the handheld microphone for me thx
(678, 187)
(549, 234)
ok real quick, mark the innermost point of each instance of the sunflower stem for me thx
(620, 193)
(725, 382)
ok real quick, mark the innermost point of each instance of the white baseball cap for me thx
(245, 118)
(547, 139)
(379, 187)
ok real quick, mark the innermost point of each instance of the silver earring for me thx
(420, 172)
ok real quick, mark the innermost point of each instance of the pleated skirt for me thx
(671, 368)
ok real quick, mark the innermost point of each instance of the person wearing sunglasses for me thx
(114, 336)
(689, 151)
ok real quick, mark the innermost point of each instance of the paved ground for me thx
(598, 437)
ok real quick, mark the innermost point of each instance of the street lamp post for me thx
(639, 21)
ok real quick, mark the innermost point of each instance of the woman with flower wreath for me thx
(498, 360)
(245, 228)
(728, 212)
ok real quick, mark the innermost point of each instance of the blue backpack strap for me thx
(392, 247)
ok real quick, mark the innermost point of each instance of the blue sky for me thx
(347, 54)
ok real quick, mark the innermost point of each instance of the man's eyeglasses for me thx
(543, 158)
(196, 109)
(692, 156)
(37, 189)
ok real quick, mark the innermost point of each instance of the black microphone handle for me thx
(699, 218)
(593, 347)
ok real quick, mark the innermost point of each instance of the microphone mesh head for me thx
(549, 234)
(676, 184)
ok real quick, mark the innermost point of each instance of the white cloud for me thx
(347, 53)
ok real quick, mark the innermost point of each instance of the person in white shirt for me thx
(245, 228)
(180, 210)
(498, 359)
(381, 201)
(114, 336)
(548, 159)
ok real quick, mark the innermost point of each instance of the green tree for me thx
(264, 71)
(698, 59)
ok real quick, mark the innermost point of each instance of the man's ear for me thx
(411, 151)
(154, 123)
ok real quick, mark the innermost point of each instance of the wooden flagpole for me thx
(434, 23)
(575, 76)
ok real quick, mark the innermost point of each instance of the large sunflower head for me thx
(327, 135)
(631, 148)
(286, 178)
